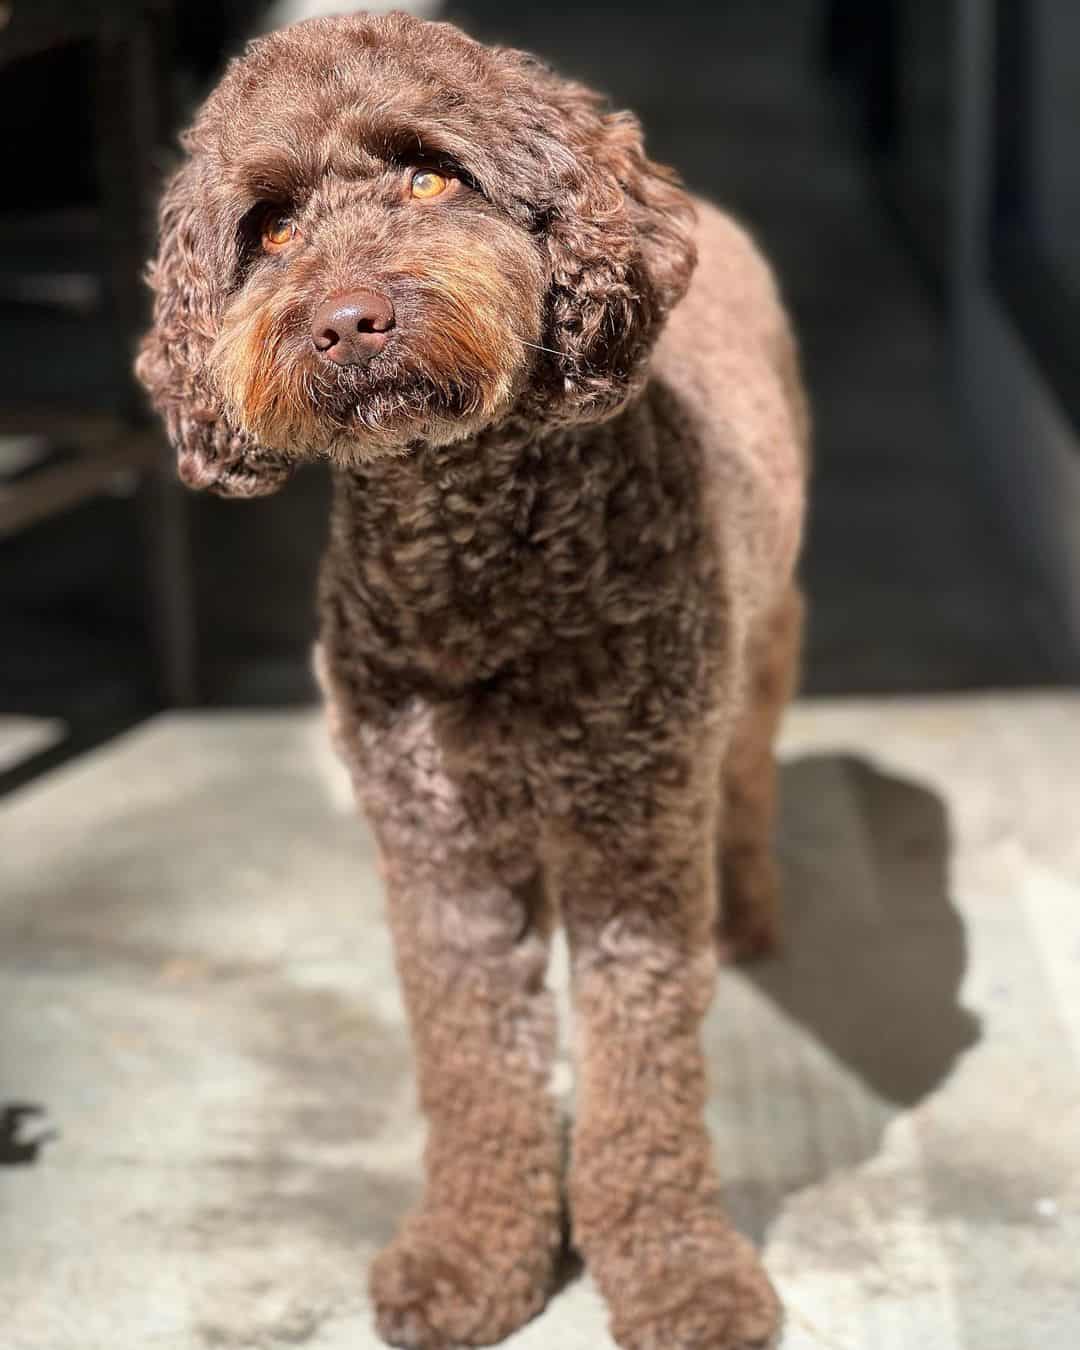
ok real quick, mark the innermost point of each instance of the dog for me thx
(559, 617)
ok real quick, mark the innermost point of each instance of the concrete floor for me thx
(197, 993)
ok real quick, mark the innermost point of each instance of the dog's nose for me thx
(350, 329)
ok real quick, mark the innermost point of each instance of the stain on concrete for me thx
(299, 1326)
(336, 1077)
(23, 1133)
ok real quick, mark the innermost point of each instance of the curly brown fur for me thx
(558, 617)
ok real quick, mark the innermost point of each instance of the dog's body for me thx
(558, 628)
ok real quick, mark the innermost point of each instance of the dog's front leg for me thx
(638, 900)
(471, 928)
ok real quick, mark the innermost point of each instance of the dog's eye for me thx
(427, 183)
(278, 231)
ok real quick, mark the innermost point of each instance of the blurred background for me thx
(909, 167)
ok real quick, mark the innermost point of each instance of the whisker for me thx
(538, 348)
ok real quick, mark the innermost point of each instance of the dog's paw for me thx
(445, 1283)
(716, 1316)
(706, 1290)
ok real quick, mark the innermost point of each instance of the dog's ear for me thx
(189, 277)
(621, 244)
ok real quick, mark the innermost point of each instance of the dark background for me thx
(835, 129)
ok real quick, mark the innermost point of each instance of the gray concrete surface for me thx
(196, 988)
(21, 737)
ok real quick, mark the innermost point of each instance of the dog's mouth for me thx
(430, 380)
(394, 402)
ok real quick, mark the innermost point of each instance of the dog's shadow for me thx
(862, 1006)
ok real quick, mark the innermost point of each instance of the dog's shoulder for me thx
(733, 298)
(728, 360)
(728, 348)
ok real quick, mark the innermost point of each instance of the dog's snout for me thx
(350, 329)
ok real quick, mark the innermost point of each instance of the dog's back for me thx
(729, 356)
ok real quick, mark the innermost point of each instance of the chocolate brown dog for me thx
(558, 616)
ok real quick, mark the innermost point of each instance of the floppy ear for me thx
(621, 244)
(189, 278)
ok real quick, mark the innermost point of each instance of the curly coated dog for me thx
(558, 616)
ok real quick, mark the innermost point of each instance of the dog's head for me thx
(387, 234)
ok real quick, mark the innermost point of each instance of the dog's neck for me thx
(455, 561)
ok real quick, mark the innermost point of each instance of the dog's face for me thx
(387, 234)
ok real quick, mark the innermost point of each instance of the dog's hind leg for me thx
(748, 915)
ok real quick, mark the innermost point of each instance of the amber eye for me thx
(277, 231)
(427, 183)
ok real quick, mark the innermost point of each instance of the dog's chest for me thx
(456, 568)
(441, 572)
(464, 569)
